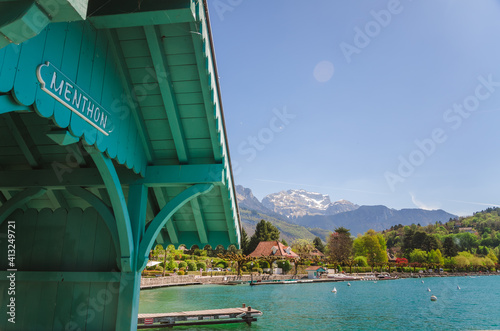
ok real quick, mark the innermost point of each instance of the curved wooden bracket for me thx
(18, 200)
(113, 186)
(163, 216)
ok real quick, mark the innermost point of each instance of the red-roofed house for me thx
(273, 248)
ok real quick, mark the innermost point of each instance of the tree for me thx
(375, 248)
(340, 245)
(318, 243)
(418, 256)
(302, 247)
(284, 265)
(264, 231)
(449, 247)
(244, 242)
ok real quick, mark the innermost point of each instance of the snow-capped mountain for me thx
(298, 203)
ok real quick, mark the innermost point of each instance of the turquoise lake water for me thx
(385, 305)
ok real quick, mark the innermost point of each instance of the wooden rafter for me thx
(23, 139)
(167, 91)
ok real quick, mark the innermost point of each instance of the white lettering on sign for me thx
(74, 98)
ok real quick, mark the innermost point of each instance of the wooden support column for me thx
(130, 282)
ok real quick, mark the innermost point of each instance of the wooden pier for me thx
(199, 317)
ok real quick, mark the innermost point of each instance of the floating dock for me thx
(199, 317)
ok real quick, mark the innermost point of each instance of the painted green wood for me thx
(113, 185)
(146, 153)
(45, 308)
(85, 252)
(180, 59)
(54, 254)
(164, 215)
(80, 305)
(187, 86)
(111, 92)
(69, 66)
(137, 18)
(130, 33)
(84, 78)
(8, 104)
(179, 45)
(138, 62)
(53, 52)
(104, 211)
(189, 98)
(96, 86)
(23, 139)
(25, 85)
(9, 67)
(18, 200)
(203, 73)
(70, 277)
(128, 304)
(41, 242)
(137, 204)
(64, 300)
(20, 26)
(168, 95)
(71, 239)
(158, 130)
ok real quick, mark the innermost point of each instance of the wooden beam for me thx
(171, 228)
(156, 176)
(230, 217)
(64, 276)
(162, 13)
(200, 222)
(166, 86)
(23, 138)
(18, 200)
(201, 64)
(132, 102)
(165, 214)
(173, 234)
(113, 185)
(57, 199)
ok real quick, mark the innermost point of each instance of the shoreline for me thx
(187, 280)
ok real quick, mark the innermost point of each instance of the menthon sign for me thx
(61, 88)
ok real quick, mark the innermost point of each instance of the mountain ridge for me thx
(315, 217)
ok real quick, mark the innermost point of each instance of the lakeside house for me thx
(273, 248)
(315, 272)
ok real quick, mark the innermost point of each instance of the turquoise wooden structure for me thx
(112, 140)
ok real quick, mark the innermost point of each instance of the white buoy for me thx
(348, 284)
(434, 298)
(428, 289)
(458, 287)
(422, 281)
(334, 290)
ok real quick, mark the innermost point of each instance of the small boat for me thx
(428, 289)
(434, 298)
(375, 281)
(348, 284)
(334, 290)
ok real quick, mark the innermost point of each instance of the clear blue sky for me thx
(376, 102)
